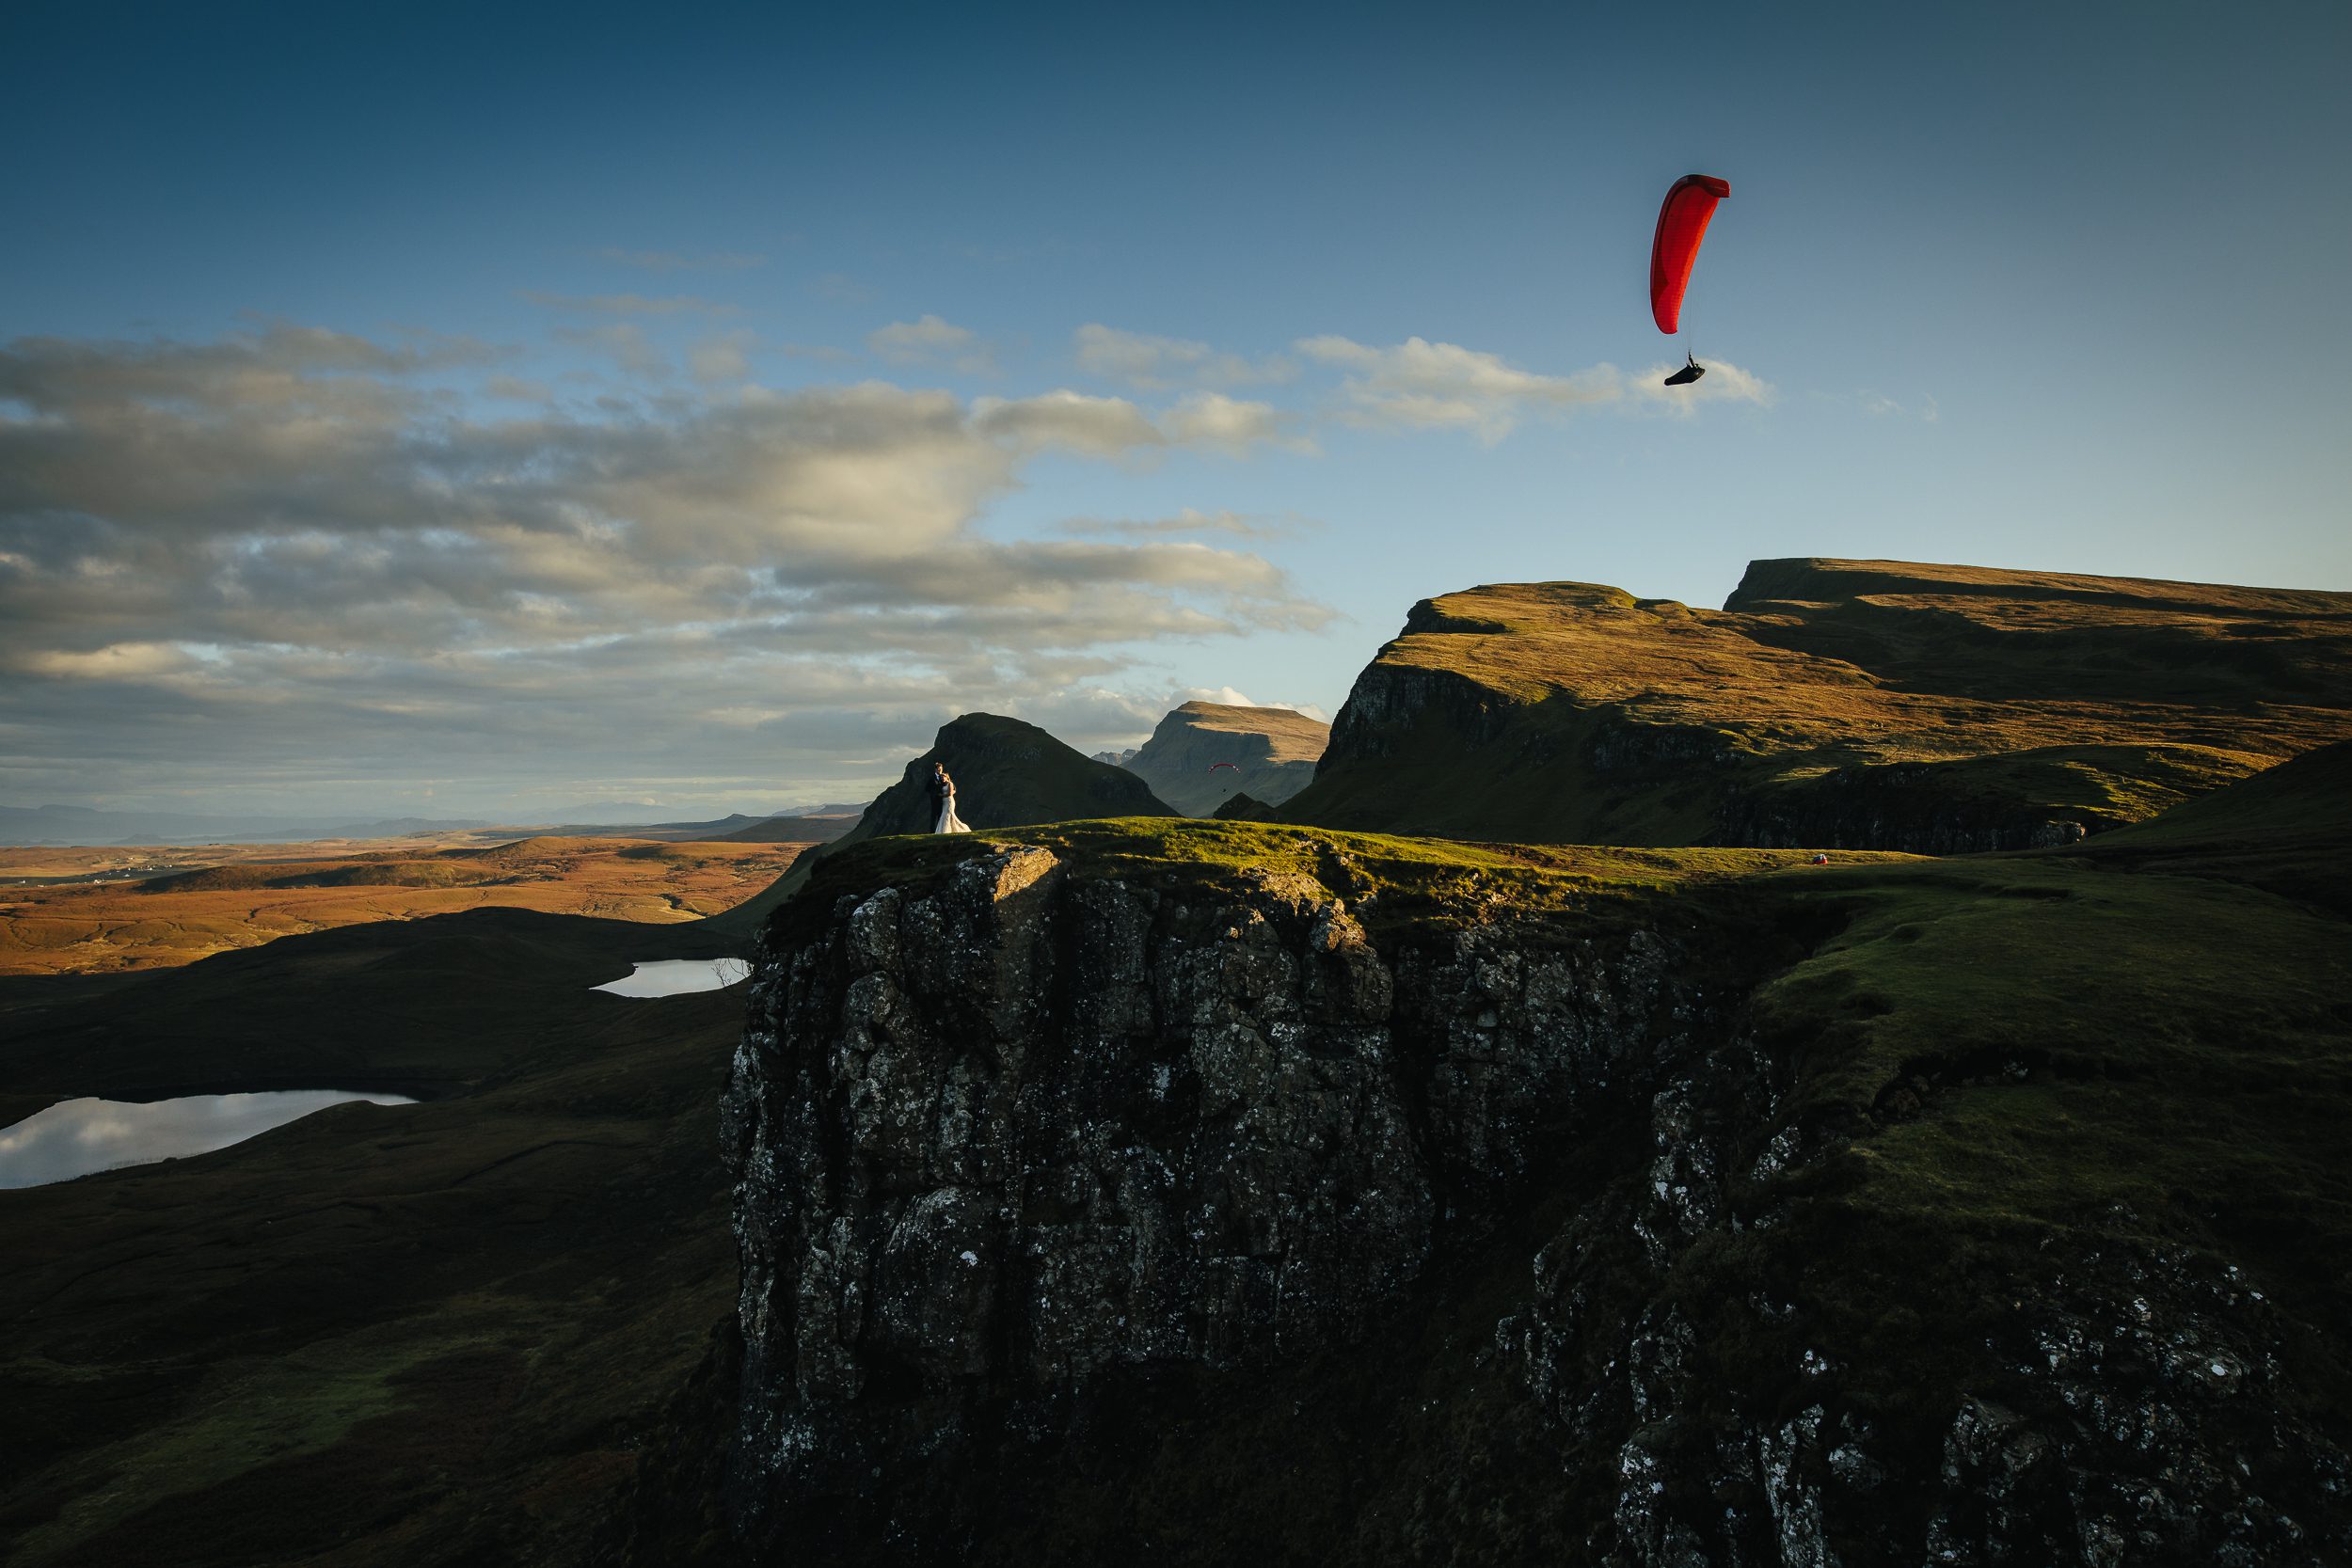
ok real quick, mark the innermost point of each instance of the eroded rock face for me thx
(1028, 1149)
(994, 1139)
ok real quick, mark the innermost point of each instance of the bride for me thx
(943, 793)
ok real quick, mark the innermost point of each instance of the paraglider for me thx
(1673, 250)
(1235, 766)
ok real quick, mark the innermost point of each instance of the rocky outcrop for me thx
(1004, 1138)
(1081, 1214)
(1241, 808)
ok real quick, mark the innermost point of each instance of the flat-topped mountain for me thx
(1272, 752)
(1864, 703)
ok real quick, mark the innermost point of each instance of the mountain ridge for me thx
(1911, 707)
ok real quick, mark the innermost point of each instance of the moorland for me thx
(1601, 1119)
(92, 910)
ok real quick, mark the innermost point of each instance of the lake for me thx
(76, 1137)
(677, 976)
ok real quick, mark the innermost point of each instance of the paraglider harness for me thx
(1691, 369)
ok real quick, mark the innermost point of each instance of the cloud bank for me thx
(299, 556)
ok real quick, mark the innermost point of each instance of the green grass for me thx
(2018, 1050)
(1386, 878)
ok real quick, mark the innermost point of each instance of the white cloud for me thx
(1725, 382)
(1099, 427)
(291, 555)
(1214, 421)
(1421, 385)
(1152, 364)
(930, 340)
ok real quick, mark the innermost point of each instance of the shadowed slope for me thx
(419, 1334)
(1272, 751)
(1839, 702)
(2286, 830)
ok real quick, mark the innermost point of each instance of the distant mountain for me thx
(1116, 759)
(59, 825)
(834, 808)
(609, 813)
(1856, 703)
(792, 830)
(717, 826)
(1205, 753)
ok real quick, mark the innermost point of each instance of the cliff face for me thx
(1248, 1215)
(1205, 753)
(1862, 705)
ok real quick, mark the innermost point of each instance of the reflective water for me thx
(677, 976)
(78, 1136)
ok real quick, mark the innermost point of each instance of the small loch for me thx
(677, 976)
(77, 1137)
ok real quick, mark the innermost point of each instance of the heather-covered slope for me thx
(1832, 702)
(1272, 752)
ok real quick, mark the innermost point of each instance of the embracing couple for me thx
(943, 793)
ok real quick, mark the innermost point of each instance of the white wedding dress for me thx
(948, 821)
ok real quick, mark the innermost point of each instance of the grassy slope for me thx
(429, 1333)
(1572, 711)
(2052, 1048)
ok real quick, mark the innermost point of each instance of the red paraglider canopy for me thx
(1681, 224)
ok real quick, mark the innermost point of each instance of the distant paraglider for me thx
(1673, 250)
(1235, 766)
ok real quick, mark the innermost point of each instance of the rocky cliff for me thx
(1843, 703)
(1253, 1194)
(1205, 753)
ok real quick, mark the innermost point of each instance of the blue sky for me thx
(450, 412)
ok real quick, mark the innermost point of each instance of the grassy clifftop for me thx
(1835, 702)
(2046, 1144)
